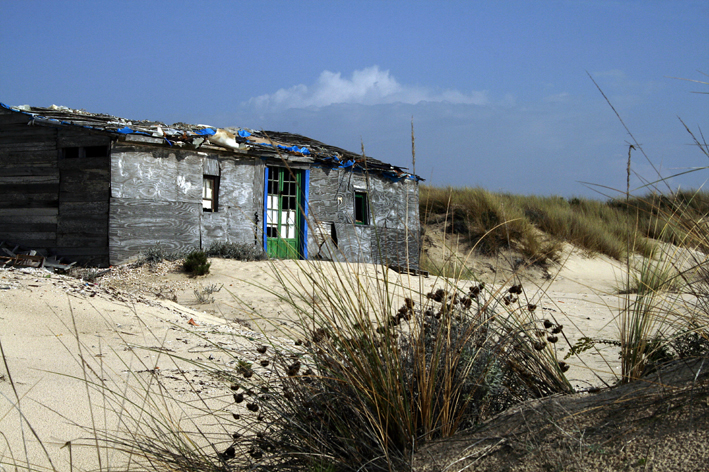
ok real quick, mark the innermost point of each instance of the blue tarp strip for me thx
(302, 150)
(205, 132)
(127, 130)
(244, 134)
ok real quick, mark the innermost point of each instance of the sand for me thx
(49, 322)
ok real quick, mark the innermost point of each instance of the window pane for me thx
(361, 213)
(209, 194)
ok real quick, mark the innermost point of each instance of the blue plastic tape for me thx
(206, 132)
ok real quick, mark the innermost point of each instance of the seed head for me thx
(230, 453)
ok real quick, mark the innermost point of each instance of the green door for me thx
(283, 213)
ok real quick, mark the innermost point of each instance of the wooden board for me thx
(137, 225)
(143, 175)
(36, 200)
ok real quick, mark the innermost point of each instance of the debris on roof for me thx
(228, 139)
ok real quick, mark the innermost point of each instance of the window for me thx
(96, 151)
(77, 152)
(210, 192)
(71, 152)
(361, 208)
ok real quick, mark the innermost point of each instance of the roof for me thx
(236, 140)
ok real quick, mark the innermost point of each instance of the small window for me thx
(76, 152)
(71, 152)
(210, 191)
(96, 151)
(361, 208)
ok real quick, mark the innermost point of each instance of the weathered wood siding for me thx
(392, 235)
(240, 207)
(59, 205)
(156, 199)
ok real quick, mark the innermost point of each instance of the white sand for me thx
(41, 314)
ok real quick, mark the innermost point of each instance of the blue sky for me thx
(499, 91)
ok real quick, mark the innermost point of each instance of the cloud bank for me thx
(368, 86)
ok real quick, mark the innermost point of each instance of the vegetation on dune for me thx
(535, 225)
(196, 263)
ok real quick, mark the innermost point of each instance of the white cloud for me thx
(369, 86)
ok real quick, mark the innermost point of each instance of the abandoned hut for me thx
(100, 190)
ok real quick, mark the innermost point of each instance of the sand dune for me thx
(49, 322)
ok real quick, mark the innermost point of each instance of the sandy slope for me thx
(42, 313)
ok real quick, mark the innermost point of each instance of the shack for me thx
(101, 190)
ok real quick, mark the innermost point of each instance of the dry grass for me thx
(370, 379)
(495, 221)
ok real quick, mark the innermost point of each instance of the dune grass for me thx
(532, 223)
(377, 369)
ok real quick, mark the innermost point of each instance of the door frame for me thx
(302, 225)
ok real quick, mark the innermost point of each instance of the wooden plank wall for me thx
(238, 210)
(60, 205)
(156, 199)
(29, 182)
(82, 227)
(394, 228)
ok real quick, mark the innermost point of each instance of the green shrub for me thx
(196, 263)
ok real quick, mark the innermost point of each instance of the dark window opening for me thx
(361, 208)
(71, 153)
(96, 151)
(76, 152)
(210, 193)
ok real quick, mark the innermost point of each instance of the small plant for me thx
(89, 274)
(238, 251)
(196, 263)
(156, 254)
(203, 294)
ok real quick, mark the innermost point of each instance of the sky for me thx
(501, 93)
